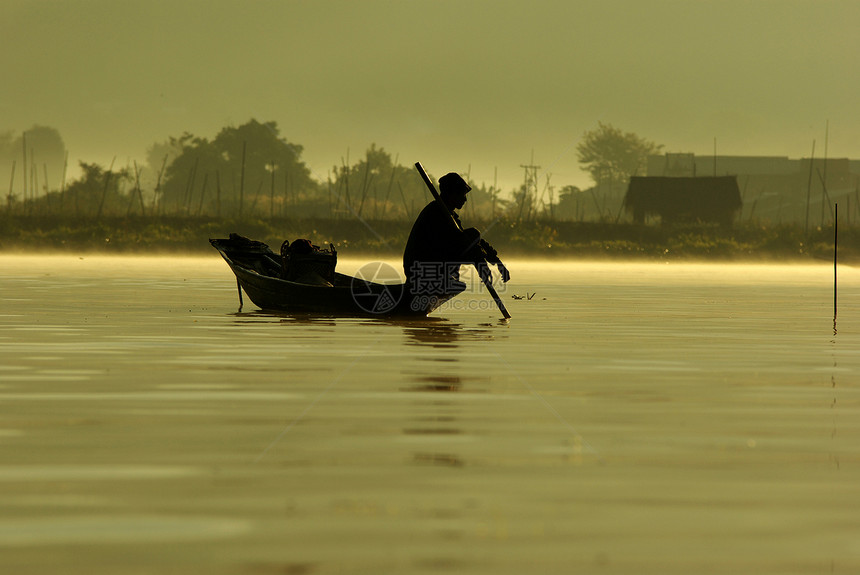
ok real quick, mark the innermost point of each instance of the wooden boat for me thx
(262, 275)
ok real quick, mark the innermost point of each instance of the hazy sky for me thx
(454, 84)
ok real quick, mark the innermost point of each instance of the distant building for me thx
(684, 199)
(775, 189)
(673, 164)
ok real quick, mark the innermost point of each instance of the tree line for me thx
(253, 171)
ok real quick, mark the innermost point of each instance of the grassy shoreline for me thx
(587, 240)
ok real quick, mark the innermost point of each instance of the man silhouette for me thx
(437, 246)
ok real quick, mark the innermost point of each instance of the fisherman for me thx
(437, 247)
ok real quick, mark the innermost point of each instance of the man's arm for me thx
(480, 250)
(493, 257)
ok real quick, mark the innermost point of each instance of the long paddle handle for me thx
(487, 282)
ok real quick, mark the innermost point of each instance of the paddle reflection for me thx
(440, 459)
(443, 333)
(438, 335)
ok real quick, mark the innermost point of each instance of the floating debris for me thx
(526, 297)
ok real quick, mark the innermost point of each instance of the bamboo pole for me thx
(824, 176)
(63, 182)
(256, 198)
(218, 193)
(715, 157)
(107, 183)
(242, 181)
(34, 184)
(286, 193)
(824, 196)
(470, 206)
(390, 185)
(835, 260)
(11, 182)
(139, 191)
(272, 194)
(365, 183)
(346, 180)
(495, 189)
(202, 193)
(131, 198)
(24, 165)
(156, 200)
(403, 197)
(77, 195)
(337, 195)
(134, 192)
(189, 187)
(330, 208)
(809, 188)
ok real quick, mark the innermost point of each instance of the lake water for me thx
(630, 418)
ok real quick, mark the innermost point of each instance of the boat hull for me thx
(257, 269)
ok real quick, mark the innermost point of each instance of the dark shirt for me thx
(435, 250)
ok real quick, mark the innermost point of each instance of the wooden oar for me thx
(488, 283)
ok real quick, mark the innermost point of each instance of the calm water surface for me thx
(630, 418)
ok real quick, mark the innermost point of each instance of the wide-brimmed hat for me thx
(452, 182)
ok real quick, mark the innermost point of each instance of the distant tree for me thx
(484, 202)
(6, 138)
(158, 157)
(46, 157)
(612, 156)
(244, 170)
(377, 187)
(522, 204)
(6, 163)
(97, 192)
(570, 203)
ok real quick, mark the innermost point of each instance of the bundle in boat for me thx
(303, 262)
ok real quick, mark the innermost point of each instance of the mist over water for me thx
(631, 417)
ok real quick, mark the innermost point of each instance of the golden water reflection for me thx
(641, 419)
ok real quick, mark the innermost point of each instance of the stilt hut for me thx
(684, 200)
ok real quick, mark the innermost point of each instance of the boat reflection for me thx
(434, 332)
(260, 316)
(436, 383)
